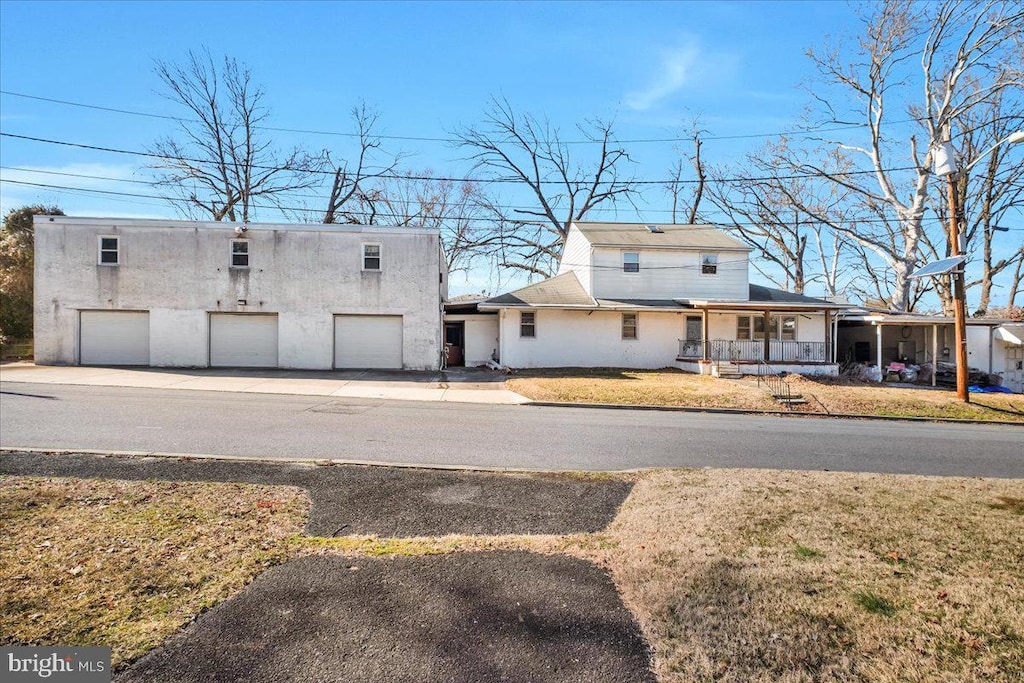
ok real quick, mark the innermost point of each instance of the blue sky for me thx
(427, 67)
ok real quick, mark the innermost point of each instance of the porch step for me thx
(794, 400)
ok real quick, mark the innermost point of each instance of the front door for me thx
(454, 343)
(694, 328)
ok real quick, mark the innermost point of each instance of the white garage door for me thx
(245, 340)
(114, 338)
(368, 341)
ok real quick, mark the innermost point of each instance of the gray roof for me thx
(761, 293)
(679, 236)
(560, 290)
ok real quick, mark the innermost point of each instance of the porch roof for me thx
(767, 298)
(915, 319)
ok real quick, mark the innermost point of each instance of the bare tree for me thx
(519, 147)
(678, 184)
(350, 181)
(969, 53)
(221, 164)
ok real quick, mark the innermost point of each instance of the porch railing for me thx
(752, 350)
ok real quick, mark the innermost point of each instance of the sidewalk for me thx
(460, 385)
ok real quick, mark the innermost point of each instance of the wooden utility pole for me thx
(959, 296)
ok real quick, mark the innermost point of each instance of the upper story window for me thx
(527, 324)
(629, 326)
(109, 250)
(239, 253)
(371, 257)
(709, 264)
(630, 262)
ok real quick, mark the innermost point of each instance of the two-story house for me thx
(652, 296)
(217, 294)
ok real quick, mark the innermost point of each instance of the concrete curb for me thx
(771, 413)
(309, 462)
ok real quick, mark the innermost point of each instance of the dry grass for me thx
(780, 576)
(837, 396)
(126, 564)
(676, 388)
(637, 387)
(734, 575)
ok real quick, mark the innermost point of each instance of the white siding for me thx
(576, 258)
(576, 339)
(669, 274)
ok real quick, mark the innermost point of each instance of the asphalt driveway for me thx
(495, 616)
(385, 501)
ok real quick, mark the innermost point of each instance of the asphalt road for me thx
(269, 426)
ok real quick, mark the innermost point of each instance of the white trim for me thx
(534, 324)
(100, 250)
(379, 257)
(622, 259)
(700, 259)
(636, 326)
(231, 253)
(111, 222)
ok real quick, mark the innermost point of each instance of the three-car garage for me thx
(239, 340)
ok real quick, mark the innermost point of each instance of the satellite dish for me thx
(940, 267)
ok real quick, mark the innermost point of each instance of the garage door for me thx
(368, 341)
(243, 340)
(114, 338)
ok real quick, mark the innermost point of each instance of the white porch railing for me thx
(753, 350)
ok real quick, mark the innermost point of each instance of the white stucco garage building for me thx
(215, 294)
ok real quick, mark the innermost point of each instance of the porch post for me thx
(935, 352)
(704, 333)
(878, 346)
(767, 336)
(828, 335)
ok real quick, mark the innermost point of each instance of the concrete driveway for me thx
(460, 385)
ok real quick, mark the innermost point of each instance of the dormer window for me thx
(709, 264)
(630, 262)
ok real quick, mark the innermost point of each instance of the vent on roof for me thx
(655, 229)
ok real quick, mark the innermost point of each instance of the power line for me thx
(448, 140)
(401, 176)
(481, 219)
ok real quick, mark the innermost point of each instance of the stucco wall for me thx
(669, 274)
(179, 271)
(481, 337)
(576, 339)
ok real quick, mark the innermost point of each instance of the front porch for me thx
(731, 357)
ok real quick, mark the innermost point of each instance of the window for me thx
(789, 328)
(239, 253)
(752, 327)
(630, 262)
(743, 327)
(528, 325)
(629, 325)
(709, 264)
(371, 257)
(110, 251)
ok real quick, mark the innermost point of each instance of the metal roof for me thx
(677, 236)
